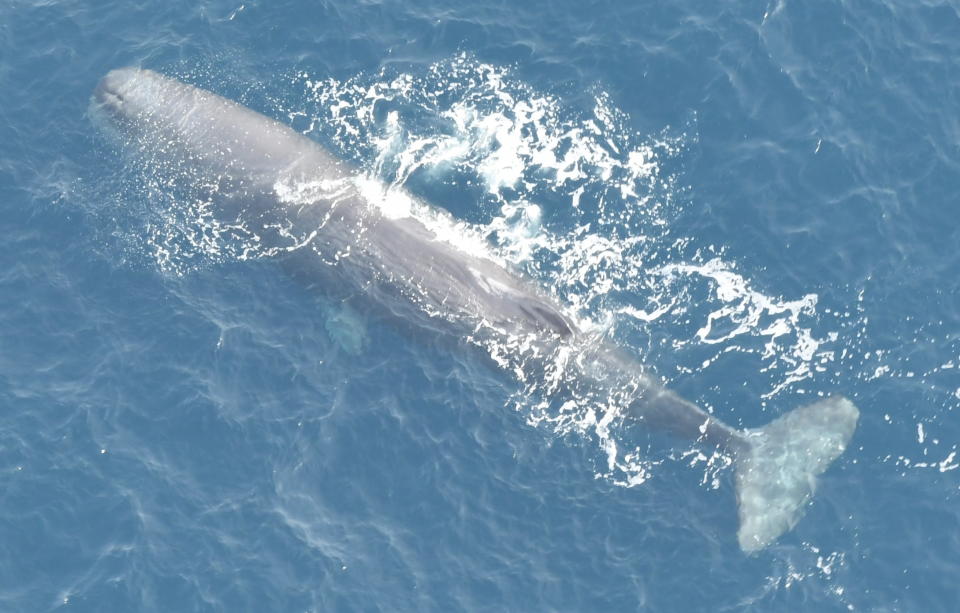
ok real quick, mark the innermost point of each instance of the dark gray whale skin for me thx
(268, 176)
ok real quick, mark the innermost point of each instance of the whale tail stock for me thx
(776, 467)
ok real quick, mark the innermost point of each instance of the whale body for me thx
(251, 165)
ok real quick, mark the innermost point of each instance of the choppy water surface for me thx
(757, 201)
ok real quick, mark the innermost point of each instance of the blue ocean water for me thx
(757, 199)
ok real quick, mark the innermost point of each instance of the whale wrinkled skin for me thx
(252, 164)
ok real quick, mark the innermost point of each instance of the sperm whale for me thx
(280, 184)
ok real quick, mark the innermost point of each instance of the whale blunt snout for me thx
(127, 92)
(112, 88)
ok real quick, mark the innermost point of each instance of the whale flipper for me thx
(346, 328)
(776, 471)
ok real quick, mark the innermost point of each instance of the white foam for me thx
(573, 196)
(474, 123)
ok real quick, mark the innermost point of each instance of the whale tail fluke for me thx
(776, 470)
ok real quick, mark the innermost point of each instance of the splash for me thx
(570, 195)
(581, 202)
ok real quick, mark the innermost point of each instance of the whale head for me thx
(142, 102)
(127, 92)
(161, 118)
